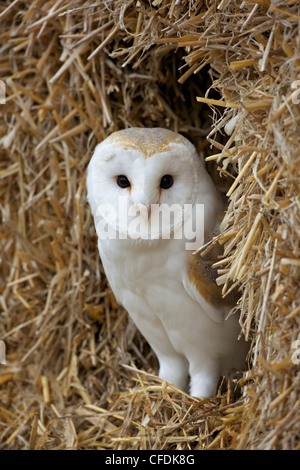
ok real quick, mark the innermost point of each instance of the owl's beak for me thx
(144, 200)
(149, 211)
(144, 210)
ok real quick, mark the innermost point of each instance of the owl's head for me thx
(145, 167)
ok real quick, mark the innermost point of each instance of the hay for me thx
(74, 72)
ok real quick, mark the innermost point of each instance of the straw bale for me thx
(225, 74)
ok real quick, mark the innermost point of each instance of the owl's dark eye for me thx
(166, 182)
(123, 181)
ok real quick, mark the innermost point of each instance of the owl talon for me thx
(175, 372)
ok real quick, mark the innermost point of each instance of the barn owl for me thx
(170, 293)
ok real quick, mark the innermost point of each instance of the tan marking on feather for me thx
(203, 277)
(149, 141)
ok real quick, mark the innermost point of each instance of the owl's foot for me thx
(204, 381)
(174, 371)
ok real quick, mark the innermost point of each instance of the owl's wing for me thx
(199, 280)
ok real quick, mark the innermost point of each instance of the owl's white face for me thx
(144, 167)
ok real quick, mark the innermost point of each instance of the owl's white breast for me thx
(142, 267)
(146, 279)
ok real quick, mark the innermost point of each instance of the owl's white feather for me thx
(170, 294)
